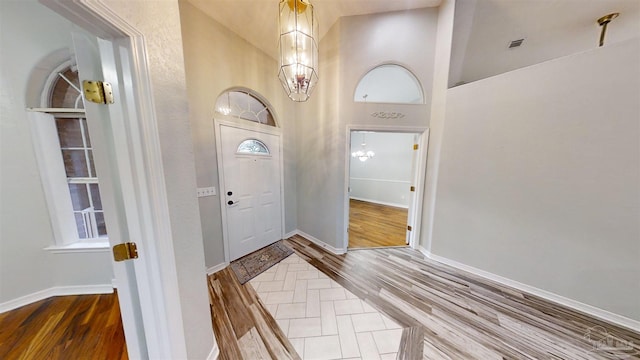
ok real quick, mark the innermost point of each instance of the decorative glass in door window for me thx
(252, 146)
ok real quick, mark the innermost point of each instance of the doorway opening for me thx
(384, 178)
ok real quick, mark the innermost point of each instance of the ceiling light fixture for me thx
(363, 154)
(603, 22)
(298, 46)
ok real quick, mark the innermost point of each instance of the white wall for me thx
(385, 178)
(540, 177)
(25, 228)
(216, 59)
(352, 47)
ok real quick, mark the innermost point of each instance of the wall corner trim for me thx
(591, 310)
(55, 291)
(322, 244)
(215, 351)
(214, 269)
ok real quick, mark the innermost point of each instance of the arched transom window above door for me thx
(246, 105)
(389, 83)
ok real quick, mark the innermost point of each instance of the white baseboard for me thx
(216, 268)
(215, 351)
(547, 295)
(55, 291)
(380, 202)
(321, 243)
(290, 234)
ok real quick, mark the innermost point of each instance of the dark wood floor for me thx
(64, 327)
(375, 225)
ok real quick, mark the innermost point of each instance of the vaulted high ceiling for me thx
(482, 30)
(256, 20)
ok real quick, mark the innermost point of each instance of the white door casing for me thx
(421, 140)
(250, 188)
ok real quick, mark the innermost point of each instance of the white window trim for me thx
(409, 72)
(101, 245)
(54, 179)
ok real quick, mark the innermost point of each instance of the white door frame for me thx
(418, 180)
(222, 120)
(146, 195)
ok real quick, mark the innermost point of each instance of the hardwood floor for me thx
(375, 225)
(64, 327)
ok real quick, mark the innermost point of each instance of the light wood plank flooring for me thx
(243, 327)
(446, 313)
(375, 225)
(64, 327)
(457, 315)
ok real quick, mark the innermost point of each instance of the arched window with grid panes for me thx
(246, 105)
(75, 199)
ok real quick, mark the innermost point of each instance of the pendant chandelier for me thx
(298, 46)
(363, 154)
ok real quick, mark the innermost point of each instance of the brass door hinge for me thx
(98, 92)
(413, 188)
(409, 227)
(125, 251)
(415, 146)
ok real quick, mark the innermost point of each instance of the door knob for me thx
(229, 202)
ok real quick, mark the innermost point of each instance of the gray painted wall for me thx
(540, 177)
(216, 59)
(352, 47)
(444, 36)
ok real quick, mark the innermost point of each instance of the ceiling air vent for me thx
(515, 43)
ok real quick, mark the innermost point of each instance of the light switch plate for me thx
(208, 191)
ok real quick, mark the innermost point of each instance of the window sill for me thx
(80, 247)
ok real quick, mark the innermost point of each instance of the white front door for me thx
(251, 188)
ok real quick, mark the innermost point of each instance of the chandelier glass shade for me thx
(363, 155)
(298, 45)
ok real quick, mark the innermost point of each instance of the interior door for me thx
(414, 184)
(252, 183)
(96, 61)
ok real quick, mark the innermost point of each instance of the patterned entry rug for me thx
(252, 265)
